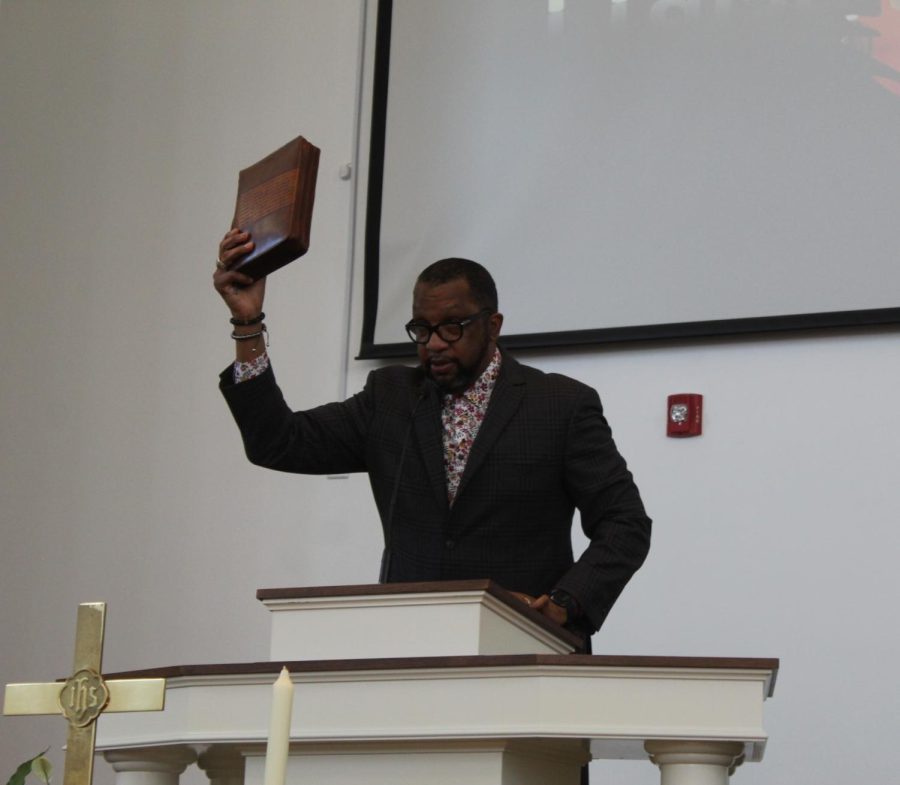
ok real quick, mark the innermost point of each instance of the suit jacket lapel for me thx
(505, 401)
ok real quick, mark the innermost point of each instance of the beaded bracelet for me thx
(250, 336)
(247, 322)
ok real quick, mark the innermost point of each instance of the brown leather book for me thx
(275, 203)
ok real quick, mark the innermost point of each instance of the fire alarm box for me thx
(685, 415)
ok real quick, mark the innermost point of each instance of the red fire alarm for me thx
(685, 415)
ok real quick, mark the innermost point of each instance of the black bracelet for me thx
(247, 322)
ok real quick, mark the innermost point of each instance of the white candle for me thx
(279, 729)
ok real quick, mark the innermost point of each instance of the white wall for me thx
(122, 477)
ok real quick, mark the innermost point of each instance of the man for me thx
(477, 463)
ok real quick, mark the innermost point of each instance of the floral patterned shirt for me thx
(245, 371)
(461, 417)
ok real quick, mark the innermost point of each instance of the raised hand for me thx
(243, 296)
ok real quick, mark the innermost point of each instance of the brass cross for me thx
(84, 695)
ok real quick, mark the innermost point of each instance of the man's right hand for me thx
(241, 293)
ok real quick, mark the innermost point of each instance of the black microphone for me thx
(385, 572)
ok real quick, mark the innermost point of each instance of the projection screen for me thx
(638, 169)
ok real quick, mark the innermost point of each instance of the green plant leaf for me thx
(18, 778)
(42, 769)
(21, 773)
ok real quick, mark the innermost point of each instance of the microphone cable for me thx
(384, 573)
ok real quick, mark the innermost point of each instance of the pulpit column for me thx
(695, 762)
(150, 765)
(223, 764)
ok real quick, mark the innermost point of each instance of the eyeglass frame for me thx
(436, 328)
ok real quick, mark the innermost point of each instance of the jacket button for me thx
(449, 544)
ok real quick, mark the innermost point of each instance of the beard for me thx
(454, 376)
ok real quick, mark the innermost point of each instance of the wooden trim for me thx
(484, 661)
(379, 589)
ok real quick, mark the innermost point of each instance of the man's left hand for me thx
(556, 613)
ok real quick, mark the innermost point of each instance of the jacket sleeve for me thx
(612, 514)
(328, 439)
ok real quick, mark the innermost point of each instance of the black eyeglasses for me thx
(449, 331)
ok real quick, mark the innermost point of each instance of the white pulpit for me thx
(445, 683)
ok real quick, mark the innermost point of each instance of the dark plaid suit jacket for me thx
(543, 450)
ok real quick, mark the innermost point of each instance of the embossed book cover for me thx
(275, 203)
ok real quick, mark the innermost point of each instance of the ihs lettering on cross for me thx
(85, 695)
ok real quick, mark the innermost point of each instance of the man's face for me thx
(454, 366)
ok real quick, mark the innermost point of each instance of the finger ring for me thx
(220, 264)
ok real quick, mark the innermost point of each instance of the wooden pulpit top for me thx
(381, 589)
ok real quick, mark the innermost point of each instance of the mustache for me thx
(440, 358)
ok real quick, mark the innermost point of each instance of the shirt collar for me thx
(484, 384)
